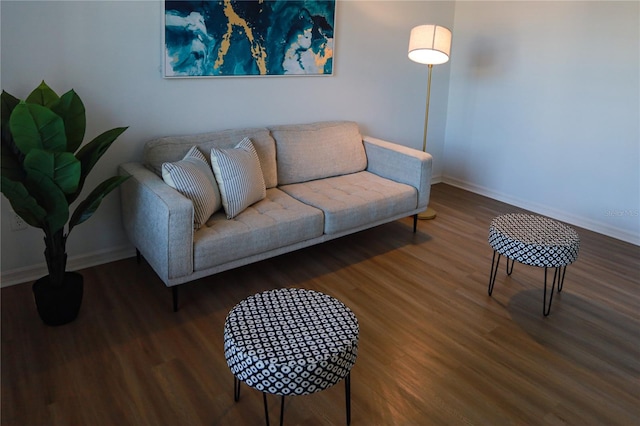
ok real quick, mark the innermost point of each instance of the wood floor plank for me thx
(434, 347)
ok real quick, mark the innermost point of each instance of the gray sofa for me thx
(321, 181)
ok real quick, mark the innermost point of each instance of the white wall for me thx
(110, 52)
(543, 109)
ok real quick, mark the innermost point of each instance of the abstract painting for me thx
(248, 38)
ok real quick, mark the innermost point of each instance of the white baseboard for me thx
(582, 222)
(32, 273)
(436, 179)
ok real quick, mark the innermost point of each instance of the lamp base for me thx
(428, 214)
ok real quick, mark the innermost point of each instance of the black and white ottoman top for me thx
(291, 341)
(534, 240)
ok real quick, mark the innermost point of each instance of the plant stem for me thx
(56, 255)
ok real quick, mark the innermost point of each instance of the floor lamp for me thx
(429, 45)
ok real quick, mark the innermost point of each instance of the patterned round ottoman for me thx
(536, 241)
(291, 342)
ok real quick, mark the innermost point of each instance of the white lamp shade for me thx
(430, 44)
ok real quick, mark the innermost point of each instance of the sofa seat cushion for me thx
(276, 221)
(353, 200)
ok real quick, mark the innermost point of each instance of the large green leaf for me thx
(90, 204)
(11, 165)
(71, 109)
(23, 203)
(91, 153)
(61, 167)
(51, 198)
(34, 126)
(8, 102)
(42, 95)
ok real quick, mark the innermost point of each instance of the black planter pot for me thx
(58, 306)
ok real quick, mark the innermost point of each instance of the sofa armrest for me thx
(401, 164)
(158, 221)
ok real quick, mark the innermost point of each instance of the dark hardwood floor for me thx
(434, 347)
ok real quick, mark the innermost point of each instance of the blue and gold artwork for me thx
(248, 37)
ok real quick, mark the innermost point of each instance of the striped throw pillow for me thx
(239, 176)
(193, 178)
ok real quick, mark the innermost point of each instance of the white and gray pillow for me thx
(239, 175)
(193, 178)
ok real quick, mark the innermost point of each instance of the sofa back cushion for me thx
(318, 150)
(174, 148)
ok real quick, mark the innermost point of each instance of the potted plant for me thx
(44, 169)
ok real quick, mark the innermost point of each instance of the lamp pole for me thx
(426, 111)
(429, 213)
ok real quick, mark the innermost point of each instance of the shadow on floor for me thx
(576, 327)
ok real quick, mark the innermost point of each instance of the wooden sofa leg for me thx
(138, 256)
(174, 291)
(415, 222)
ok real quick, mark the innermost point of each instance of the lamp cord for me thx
(426, 113)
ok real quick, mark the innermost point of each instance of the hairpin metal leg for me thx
(266, 409)
(494, 271)
(546, 308)
(510, 268)
(561, 283)
(347, 391)
(281, 410)
(558, 277)
(236, 389)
